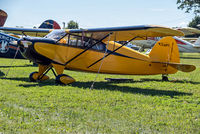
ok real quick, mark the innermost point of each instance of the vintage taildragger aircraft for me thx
(97, 50)
(8, 50)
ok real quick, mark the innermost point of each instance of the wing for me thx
(27, 31)
(118, 33)
(189, 31)
(126, 33)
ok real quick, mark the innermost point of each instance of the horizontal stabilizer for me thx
(183, 67)
(179, 66)
(195, 46)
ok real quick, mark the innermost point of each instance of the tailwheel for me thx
(165, 78)
(64, 79)
(34, 76)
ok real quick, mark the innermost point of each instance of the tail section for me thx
(166, 52)
(50, 24)
(3, 17)
(197, 42)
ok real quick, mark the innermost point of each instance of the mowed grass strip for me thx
(146, 105)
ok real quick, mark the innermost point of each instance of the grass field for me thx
(146, 105)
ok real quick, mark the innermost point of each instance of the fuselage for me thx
(123, 61)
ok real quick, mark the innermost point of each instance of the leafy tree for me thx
(195, 22)
(189, 5)
(72, 25)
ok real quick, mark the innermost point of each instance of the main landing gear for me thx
(44, 69)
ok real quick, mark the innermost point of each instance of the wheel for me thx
(35, 64)
(64, 79)
(34, 77)
(165, 78)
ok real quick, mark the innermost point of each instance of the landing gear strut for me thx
(165, 77)
(44, 69)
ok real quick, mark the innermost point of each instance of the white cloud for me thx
(183, 24)
(157, 9)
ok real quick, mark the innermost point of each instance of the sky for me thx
(95, 13)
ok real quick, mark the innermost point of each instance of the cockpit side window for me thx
(83, 42)
(56, 35)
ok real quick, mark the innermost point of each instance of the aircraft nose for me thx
(19, 43)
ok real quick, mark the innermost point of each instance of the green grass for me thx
(146, 105)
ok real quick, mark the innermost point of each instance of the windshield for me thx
(56, 34)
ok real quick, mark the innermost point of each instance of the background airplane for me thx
(183, 45)
(7, 49)
(188, 31)
(187, 47)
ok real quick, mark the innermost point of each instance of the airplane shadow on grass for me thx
(172, 81)
(103, 85)
(128, 89)
(16, 66)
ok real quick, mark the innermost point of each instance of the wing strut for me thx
(87, 49)
(112, 51)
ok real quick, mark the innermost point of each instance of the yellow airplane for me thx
(97, 50)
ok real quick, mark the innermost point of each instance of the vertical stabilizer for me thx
(3, 17)
(50, 24)
(197, 42)
(165, 50)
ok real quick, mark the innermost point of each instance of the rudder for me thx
(50, 24)
(165, 50)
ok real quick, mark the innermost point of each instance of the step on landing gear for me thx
(61, 78)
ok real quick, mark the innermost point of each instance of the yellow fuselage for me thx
(123, 61)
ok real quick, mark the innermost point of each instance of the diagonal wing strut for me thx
(87, 49)
(113, 51)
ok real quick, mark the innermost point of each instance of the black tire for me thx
(31, 77)
(165, 78)
(58, 79)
